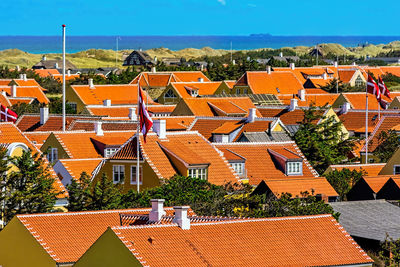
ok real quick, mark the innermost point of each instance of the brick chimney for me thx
(181, 217)
(157, 210)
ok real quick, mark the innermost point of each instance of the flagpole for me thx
(137, 141)
(366, 121)
(63, 85)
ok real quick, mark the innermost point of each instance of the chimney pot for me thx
(132, 114)
(97, 128)
(157, 210)
(160, 127)
(69, 72)
(269, 69)
(153, 69)
(90, 82)
(293, 104)
(292, 66)
(21, 76)
(335, 64)
(107, 102)
(14, 90)
(181, 217)
(44, 115)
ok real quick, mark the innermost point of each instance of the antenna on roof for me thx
(116, 53)
(231, 51)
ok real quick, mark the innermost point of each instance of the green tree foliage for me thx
(338, 85)
(78, 193)
(29, 189)
(391, 80)
(388, 143)
(322, 143)
(342, 181)
(390, 253)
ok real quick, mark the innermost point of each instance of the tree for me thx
(388, 143)
(28, 188)
(78, 193)
(390, 253)
(335, 85)
(342, 181)
(322, 143)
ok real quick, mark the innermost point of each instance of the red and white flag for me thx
(7, 114)
(383, 88)
(145, 120)
(373, 88)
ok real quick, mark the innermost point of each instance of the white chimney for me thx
(269, 69)
(157, 210)
(14, 90)
(335, 64)
(181, 217)
(233, 62)
(354, 64)
(91, 85)
(201, 80)
(56, 65)
(293, 104)
(132, 114)
(155, 59)
(17, 68)
(302, 94)
(97, 128)
(44, 115)
(160, 127)
(202, 67)
(345, 108)
(252, 115)
(21, 76)
(44, 58)
(69, 72)
(324, 76)
(107, 102)
(153, 70)
(4, 93)
(24, 77)
(292, 66)
(281, 54)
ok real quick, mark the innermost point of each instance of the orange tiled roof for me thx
(123, 111)
(177, 123)
(76, 166)
(27, 91)
(317, 82)
(357, 100)
(345, 75)
(376, 182)
(371, 169)
(230, 84)
(395, 70)
(354, 120)
(5, 101)
(118, 94)
(59, 77)
(37, 138)
(27, 82)
(214, 244)
(203, 88)
(315, 186)
(302, 73)
(162, 79)
(260, 82)
(386, 123)
(46, 72)
(287, 117)
(260, 164)
(317, 99)
(107, 125)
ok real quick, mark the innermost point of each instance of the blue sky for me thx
(200, 17)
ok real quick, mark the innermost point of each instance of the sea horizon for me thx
(52, 44)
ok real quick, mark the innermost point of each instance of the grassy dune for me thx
(93, 58)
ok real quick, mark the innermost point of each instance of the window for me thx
(294, 168)
(52, 155)
(359, 82)
(108, 152)
(72, 106)
(244, 91)
(133, 174)
(396, 169)
(170, 95)
(237, 91)
(118, 174)
(200, 173)
(238, 167)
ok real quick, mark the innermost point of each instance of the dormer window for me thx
(238, 168)
(108, 152)
(200, 173)
(193, 92)
(170, 95)
(294, 168)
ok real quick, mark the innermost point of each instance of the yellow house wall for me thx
(331, 113)
(223, 88)
(17, 152)
(52, 141)
(241, 89)
(339, 101)
(394, 160)
(278, 128)
(182, 109)
(71, 96)
(395, 104)
(19, 248)
(161, 97)
(150, 179)
(108, 251)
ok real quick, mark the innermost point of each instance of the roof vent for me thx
(335, 64)
(157, 210)
(181, 217)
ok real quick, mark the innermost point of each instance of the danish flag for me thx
(7, 114)
(373, 88)
(145, 121)
(383, 88)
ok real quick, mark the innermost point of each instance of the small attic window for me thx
(374, 118)
(294, 168)
(277, 89)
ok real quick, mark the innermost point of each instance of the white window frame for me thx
(120, 171)
(201, 173)
(238, 167)
(294, 168)
(52, 156)
(108, 152)
(133, 173)
(238, 91)
(73, 105)
(169, 98)
(394, 169)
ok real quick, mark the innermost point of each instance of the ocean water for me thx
(52, 44)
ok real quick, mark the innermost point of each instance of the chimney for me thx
(56, 65)
(269, 69)
(14, 90)
(160, 127)
(325, 76)
(354, 64)
(201, 80)
(132, 114)
(302, 94)
(17, 68)
(345, 108)
(335, 64)
(181, 217)
(153, 70)
(4, 93)
(157, 210)
(21, 76)
(281, 54)
(90, 82)
(293, 104)
(107, 102)
(24, 77)
(201, 67)
(44, 58)
(252, 115)
(233, 62)
(97, 128)
(69, 72)
(44, 115)
(292, 66)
